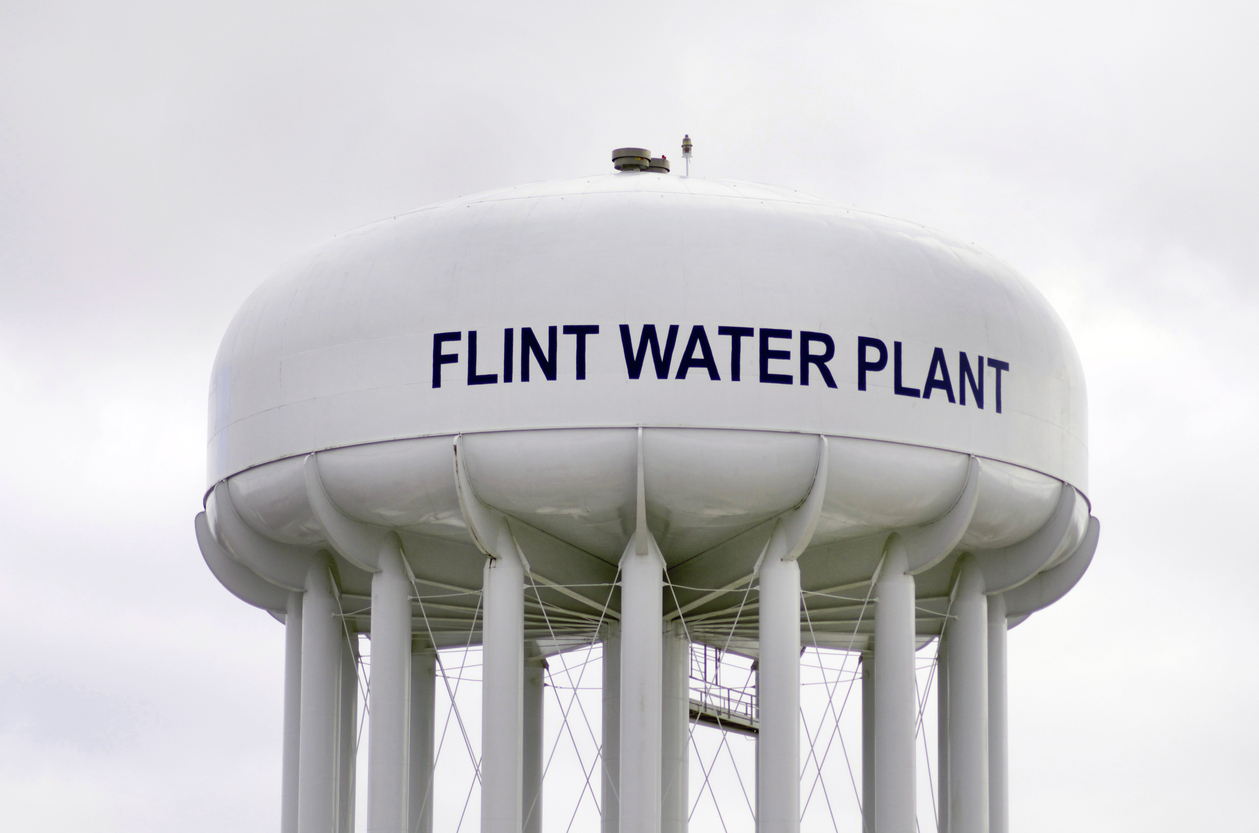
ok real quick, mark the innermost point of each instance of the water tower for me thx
(659, 412)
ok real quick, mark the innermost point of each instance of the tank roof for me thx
(844, 323)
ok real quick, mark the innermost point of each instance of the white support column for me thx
(779, 698)
(347, 707)
(756, 774)
(534, 709)
(942, 729)
(642, 589)
(317, 787)
(502, 689)
(968, 702)
(867, 741)
(292, 712)
(896, 702)
(389, 698)
(675, 730)
(611, 752)
(998, 738)
(423, 705)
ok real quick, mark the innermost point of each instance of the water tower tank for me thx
(650, 410)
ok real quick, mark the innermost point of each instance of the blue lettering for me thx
(440, 358)
(938, 377)
(768, 355)
(897, 387)
(634, 358)
(864, 364)
(737, 334)
(475, 378)
(819, 361)
(529, 345)
(581, 331)
(998, 366)
(965, 377)
(698, 339)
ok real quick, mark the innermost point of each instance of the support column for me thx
(642, 590)
(896, 702)
(942, 728)
(968, 702)
(502, 689)
(675, 730)
(389, 698)
(423, 705)
(318, 754)
(347, 707)
(611, 754)
(756, 774)
(535, 672)
(998, 737)
(779, 698)
(867, 741)
(292, 712)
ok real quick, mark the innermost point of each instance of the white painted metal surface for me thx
(502, 692)
(292, 712)
(675, 730)
(389, 745)
(943, 709)
(610, 757)
(967, 635)
(998, 727)
(641, 705)
(320, 733)
(339, 348)
(532, 756)
(738, 390)
(422, 739)
(868, 702)
(896, 709)
(778, 744)
(347, 740)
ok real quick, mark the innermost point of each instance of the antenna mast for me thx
(686, 152)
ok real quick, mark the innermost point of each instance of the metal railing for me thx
(723, 693)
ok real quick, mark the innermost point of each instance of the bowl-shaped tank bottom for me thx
(703, 487)
(712, 497)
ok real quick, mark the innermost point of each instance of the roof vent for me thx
(632, 159)
(659, 166)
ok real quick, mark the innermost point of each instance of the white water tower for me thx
(658, 412)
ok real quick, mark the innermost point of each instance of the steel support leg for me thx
(675, 730)
(423, 704)
(611, 753)
(347, 707)
(641, 665)
(968, 702)
(535, 671)
(292, 712)
(895, 700)
(867, 741)
(779, 738)
(502, 691)
(319, 753)
(388, 745)
(942, 729)
(998, 739)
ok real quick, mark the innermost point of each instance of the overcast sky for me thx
(159, 160)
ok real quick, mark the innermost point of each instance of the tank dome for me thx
(640, 299)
